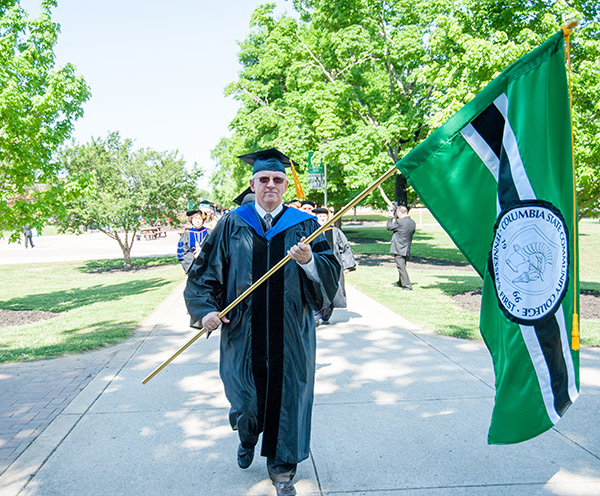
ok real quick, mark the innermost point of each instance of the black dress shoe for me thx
(245, 456)
(285, 488)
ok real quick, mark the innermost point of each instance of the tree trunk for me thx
(401, 197)
(124, 245)
(126, 249)
(127, 258)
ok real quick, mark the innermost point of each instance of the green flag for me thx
(498, 178)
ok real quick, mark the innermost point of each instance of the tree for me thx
(39, 104)
(361, 82)
(111, 187)
(586, 109)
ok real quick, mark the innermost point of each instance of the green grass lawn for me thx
(96, 303)
(589, 250)
(430, 304)
(429, 241)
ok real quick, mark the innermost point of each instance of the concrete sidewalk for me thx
(87, 246)
(398, 411)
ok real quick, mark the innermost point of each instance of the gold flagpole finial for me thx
(569, 25)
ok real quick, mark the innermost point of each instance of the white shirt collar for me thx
(262, 212)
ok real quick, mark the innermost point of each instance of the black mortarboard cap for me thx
(267, 160)
(189, 213)
(320, 210)
(245, 196)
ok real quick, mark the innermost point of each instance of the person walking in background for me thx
(343, 253)
(404, 228)
(210, 219)
(28, 233)
(268, 343)
(191, 240)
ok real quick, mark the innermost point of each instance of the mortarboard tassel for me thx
(299, 191)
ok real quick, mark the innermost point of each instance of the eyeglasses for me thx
(267, 179)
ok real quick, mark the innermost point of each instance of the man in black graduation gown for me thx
(268, 342)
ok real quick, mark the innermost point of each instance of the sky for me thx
(157, 70)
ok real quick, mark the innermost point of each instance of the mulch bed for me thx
(20, 317)
(589, 302)
(110, 270)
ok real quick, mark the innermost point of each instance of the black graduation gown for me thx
(268, 349)
(190, 239)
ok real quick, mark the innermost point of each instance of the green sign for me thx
(315, 174)
(314, 169)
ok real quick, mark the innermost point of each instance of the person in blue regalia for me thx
(190, 242)
(268, 342)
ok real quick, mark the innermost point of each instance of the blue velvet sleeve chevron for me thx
(180, 250)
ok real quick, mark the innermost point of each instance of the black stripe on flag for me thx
(548, 334)
(490, 126)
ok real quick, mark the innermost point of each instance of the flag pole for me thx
(275, 268)
(567, 28)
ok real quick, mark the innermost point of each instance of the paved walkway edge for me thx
(18, 475)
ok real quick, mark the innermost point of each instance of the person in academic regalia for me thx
(293, 204)
(343, 252)
(246, 196)
(191, 240)
(307, 206)
(268, 342)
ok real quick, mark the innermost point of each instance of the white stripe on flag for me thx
(484, 152)
(481, 148)
(564, 340)
(541, 370)
(509, 141)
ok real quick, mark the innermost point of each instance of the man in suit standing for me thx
(403, 227)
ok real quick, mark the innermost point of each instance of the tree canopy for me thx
(112, 187)
(362, 82)
(39, 104)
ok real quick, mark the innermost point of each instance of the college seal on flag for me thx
(529, 261)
